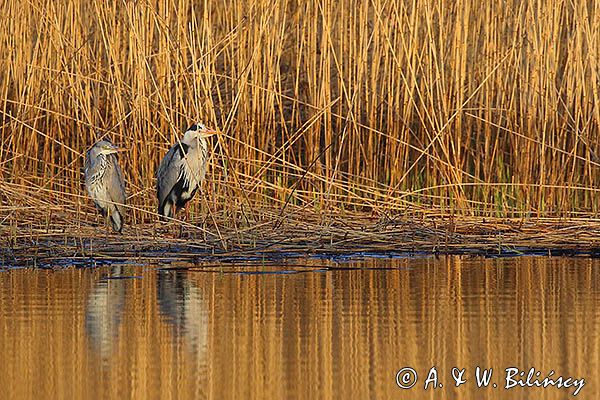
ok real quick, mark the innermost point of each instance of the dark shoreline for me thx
(339, 239)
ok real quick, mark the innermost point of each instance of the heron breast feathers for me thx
(96, 176)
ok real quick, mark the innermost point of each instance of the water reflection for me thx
(183, 307)
(104, 311)
(337, 334)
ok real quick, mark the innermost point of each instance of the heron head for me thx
(198, 131)
(109, 148)
(104, 148)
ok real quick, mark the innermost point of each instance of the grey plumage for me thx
(104, 182)
(182, 170)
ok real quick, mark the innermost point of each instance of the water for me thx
(228, 332)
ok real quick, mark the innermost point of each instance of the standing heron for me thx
(104, 182)
(182, 170)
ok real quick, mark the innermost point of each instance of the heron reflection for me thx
(104, 312)
(182, 305)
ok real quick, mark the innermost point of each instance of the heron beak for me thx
(115, 149)
(208, 133)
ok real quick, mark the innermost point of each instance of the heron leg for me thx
(186, 214)
(106, 223)
(183, 220)
(172, 221)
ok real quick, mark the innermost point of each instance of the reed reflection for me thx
(328, 335)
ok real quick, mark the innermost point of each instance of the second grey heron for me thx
(104, 182)
(182, 170)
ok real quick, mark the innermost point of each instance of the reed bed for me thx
(299, 235)
(384, 108)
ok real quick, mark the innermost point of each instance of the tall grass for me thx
(480, 108)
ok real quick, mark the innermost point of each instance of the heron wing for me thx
(169, 170)
(90, 168)
(116, 184)
(87, 168)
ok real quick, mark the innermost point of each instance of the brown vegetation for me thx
(394, 107)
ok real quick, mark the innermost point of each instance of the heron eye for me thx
(193, 128)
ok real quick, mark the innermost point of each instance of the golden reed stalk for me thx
(466, 106)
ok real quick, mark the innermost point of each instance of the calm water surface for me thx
(228, 332)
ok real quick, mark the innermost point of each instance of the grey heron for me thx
(182, 170)
(104, 182)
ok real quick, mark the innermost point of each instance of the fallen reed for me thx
(387, 107)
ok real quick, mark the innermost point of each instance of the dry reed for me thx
(390, 107)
